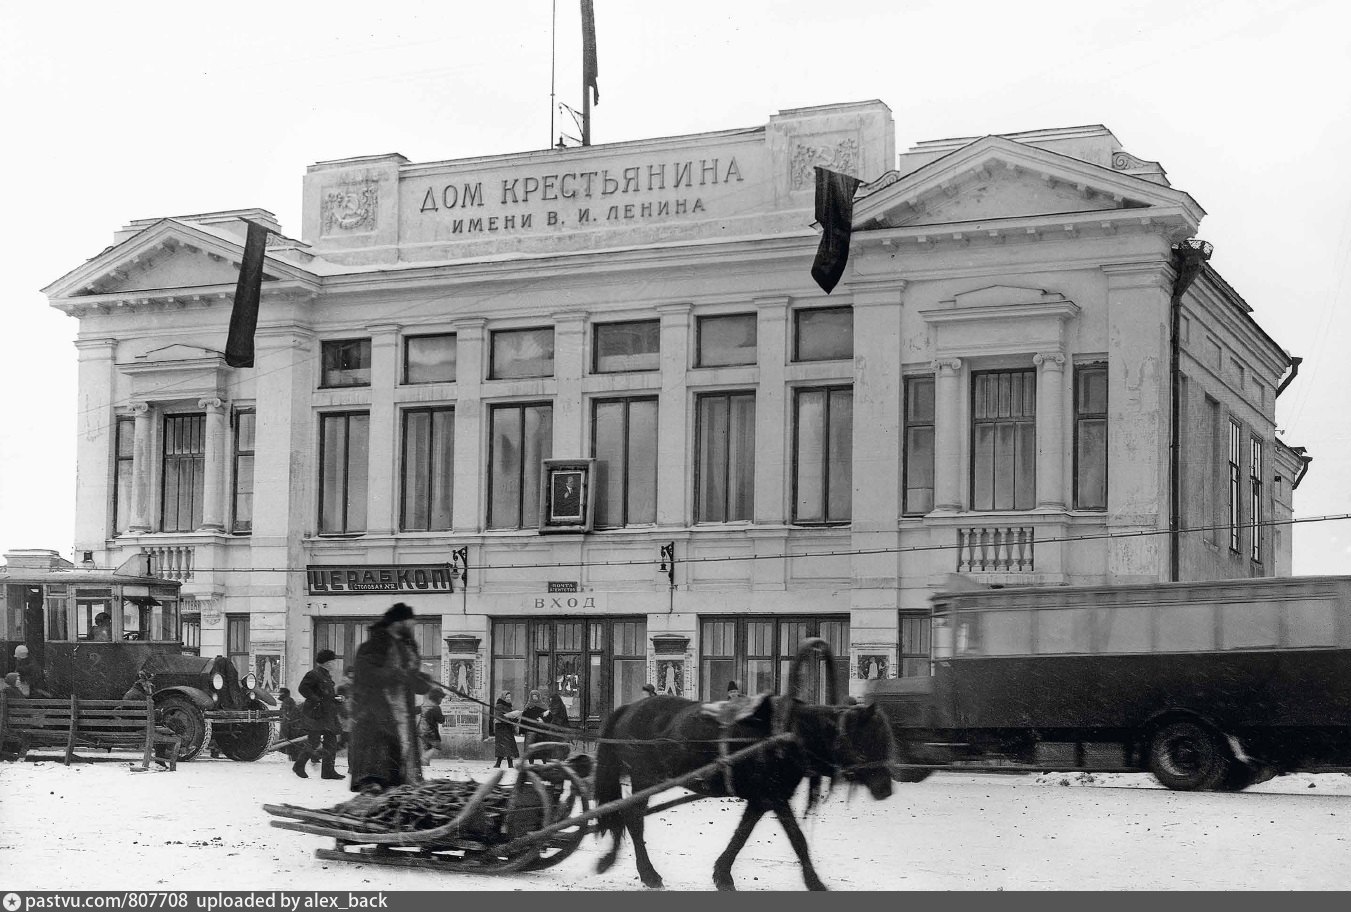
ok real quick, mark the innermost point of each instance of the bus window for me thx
(1247, 625)
(1310, 623)
(89, 605)
(167, 628)
(12, 604)
(144, 618)
(1186, 628)
(58, 624)
(1061, 631)
(1006, 632)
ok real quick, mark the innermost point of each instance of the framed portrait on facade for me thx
(565, 494)
(267, 671)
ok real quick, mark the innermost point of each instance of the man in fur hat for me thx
(384, 751)
(319, 717)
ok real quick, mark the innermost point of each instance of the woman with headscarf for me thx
(557, 717)
(504, 730)
(384, 750)
(533, 715)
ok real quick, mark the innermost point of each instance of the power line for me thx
(1139, 533)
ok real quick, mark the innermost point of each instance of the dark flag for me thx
(244, 317)
(835, 214)
(589, 51)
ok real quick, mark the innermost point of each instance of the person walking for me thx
(345, 706)
(504, 730)
(533, 715)
(430, 720)
(320, 717)
(557, 717)
(384, 749)
(287, 727)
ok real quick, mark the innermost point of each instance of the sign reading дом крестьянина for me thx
(358, 579)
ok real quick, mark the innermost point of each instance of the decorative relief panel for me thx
(843, 157)
(350, 208)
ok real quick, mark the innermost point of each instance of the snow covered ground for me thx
(103, 826)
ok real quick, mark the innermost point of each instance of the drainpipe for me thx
(1294, 372)
(1189, 258)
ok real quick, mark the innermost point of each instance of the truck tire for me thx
(244, 742)
(1189, 756)
(185, 718)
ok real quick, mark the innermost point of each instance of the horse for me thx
(664, 737)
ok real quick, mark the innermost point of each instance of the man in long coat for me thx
(319, 717)
(384, 751)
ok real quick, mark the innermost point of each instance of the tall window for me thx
(757, 653)
(725, 470)
(344, 635)
(914, 647)
(1090, 437)
(823, 334)
(184, 457)
(237, 641)
(518, 353)
(122, 465)
(1255, 498)
(1235, 510)
(346, 362)
(1212, 507)
(823, 455)
(919, 445)
(1003, 440)
(343, 446)
(634, 346)
(428, 469)
(724, 341)
(246, 425)
(624, 443)
(522, 438)
(429, 359)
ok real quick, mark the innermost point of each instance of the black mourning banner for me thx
(835, 214)
(244, 316)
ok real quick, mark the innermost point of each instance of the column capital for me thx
(947, 365)
(469, 325)
(570, 317)
(680, 308)
(885, 290)
(1049, 361)
(777, 302)
(139, 409)
(96, 347)
(213, 404)
(382, 329)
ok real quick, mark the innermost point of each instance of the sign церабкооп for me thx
(343, 579)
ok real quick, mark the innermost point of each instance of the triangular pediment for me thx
(168, 354)
(995, 179)
(1002, 294)
(169, 255)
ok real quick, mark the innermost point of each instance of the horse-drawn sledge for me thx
(759, 749)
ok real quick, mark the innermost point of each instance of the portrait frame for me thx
(566, 504)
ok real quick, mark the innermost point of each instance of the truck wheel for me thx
(186, 720)
(1188, 756)
(244, 742)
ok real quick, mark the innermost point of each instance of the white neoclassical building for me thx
(587, 412)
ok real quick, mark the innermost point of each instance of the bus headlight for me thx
(218, 681)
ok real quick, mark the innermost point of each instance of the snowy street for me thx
(102, 826)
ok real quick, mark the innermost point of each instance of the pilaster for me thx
(673, 452)
(1050, 430)
(470, 428)
(771, 411)
(382, 477)
(569, 365)
(947, 436)
(94, 443)
(213, 466)
(140, 467)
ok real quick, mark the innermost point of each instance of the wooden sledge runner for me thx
(499, 829)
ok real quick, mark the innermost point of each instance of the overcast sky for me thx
(114, 112)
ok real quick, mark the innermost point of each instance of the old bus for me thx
(1208, 685)
(95, 633)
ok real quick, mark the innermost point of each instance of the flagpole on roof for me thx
(553, 57)
(588, 68)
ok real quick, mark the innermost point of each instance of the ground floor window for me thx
(757, 653)
(593, 664)
(237, 641)
(344, 635)
(913, 650)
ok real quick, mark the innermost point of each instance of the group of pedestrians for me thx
(538, 721)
